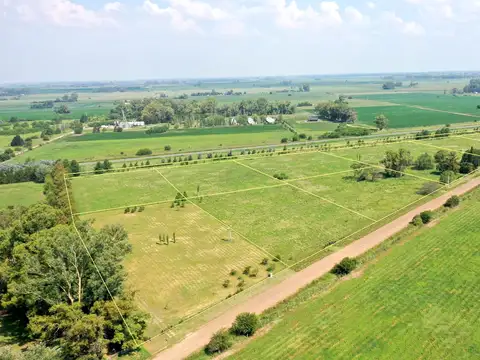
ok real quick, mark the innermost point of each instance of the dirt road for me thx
(293, 284)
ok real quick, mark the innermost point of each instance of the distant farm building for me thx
(251, 121)
(313, 118)
(129, 124)
(233, 121)
(270, 120)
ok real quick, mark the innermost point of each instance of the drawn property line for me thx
(95, 264)
(315, 147)
(307, 192)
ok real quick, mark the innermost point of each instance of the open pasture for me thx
(23, 194)
(420, 301)
(119, 146)
(237, 214)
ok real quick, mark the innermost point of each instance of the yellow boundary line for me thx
(94, 264)
(315, 147)
(468, 138)
(307, 192)
(383, 168)
(285, 183)
(188, 198)
(220, 221)
(451, 150)
(312, 255)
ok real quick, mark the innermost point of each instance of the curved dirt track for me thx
(194, 341)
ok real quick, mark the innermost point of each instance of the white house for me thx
(251, 121)
(129, 124)
(270, 120)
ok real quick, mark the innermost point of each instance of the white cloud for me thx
(406, 27)
(176, 18)
(199, 9)
(353, 15)
(61, 13)
(371, 5)
(291, 16)
(113, 6)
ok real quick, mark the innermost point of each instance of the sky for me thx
(86, 40)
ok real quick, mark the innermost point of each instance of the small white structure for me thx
(270, 120)
(233, 121)
(129, 124)
(251, 121)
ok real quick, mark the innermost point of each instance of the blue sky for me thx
(61, 40)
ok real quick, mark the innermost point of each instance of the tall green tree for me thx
(381, 122)
(396, 162)
(447, 161)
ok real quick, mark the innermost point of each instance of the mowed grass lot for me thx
(318, 206)
(20, 194)
(180, 279)
(417, 302)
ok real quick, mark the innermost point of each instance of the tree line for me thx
(473, 86)
(50, 286)
(154, 111)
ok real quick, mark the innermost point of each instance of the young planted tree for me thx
(246, 324)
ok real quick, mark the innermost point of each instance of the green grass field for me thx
(20, 194)
(125, 145)
(178, 280)
(318, 205)
(418, 301)
(405, 117)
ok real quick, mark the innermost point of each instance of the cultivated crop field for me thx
(420, 301)
(236, 213)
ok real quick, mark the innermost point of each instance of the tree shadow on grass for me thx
(12, 331)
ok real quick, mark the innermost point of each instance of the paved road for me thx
(293, 284)
(323, 141)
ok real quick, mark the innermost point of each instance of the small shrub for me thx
(167, 148)
(302, 136)
(428, 188)
(344, 267)
(426, 216)
(417, 221)
(133, 209)
(127, 210)
(141, 209)
(226, 283)
(241, 283)
(271, 268)
(295, 138)
(277, 258)
(453, 202)
(264, 261)
(281, 176)
(246, 271)
(245, 324)
(253, 272)
(233, 272)
(219, 342)
(143, 152)
(284, 140)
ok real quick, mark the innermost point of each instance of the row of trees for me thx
(154, 111)
(50, 284)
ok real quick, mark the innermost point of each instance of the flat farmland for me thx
(23, 194)
(177, 280)
(461, 104)
(238, 214)
(94, 147)
(418, 301)
(405, 117)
